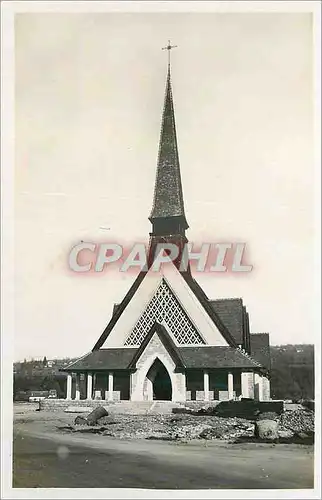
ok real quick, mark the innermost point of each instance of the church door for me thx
(160, 381)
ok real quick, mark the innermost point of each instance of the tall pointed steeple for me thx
(167, 215)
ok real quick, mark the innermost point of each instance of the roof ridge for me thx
(78, 359)
(248, 356)
(225, 298)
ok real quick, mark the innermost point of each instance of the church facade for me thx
(167, 340)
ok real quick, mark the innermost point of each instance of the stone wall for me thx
(62, 404)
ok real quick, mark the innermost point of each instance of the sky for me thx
(88, 100)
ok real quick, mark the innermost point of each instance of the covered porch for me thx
(198, 385)
(108, 386)
(223, 385)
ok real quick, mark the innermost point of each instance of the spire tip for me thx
(169, 47)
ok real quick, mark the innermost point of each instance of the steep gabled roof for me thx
(117, 311)
(206, 303)
(230, 311)
(196, 290)
(167, 341)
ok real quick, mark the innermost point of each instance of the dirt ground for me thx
(46, 456)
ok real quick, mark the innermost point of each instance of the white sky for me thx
(89, 96)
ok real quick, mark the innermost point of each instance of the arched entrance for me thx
(158, 383)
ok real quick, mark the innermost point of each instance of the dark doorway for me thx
(161, 382)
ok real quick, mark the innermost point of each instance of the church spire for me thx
(167, 215)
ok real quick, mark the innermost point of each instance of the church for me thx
(166, 340)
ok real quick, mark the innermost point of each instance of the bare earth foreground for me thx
(46, 457)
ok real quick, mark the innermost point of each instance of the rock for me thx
(266, 429)
(286, 434)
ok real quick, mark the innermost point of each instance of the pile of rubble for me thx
(298, 422)
(185, 427)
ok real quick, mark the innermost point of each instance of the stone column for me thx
(266, 389)
(251, 385)
(149, 390)
(184, 387)
(134, 396)
(230, 386)
(245, 385)
(206, 385)
(258, 383)
(77, 394)
(69, 386)
(260, 388)
(110, 386)
(89, 385)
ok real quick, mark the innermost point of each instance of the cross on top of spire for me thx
(168, 48)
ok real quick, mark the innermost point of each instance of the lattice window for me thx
(164, 308)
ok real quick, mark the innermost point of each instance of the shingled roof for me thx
(185, 357)
(102, 360)
(259, 346)
(216, 357)
(168, 197)
(230, 311)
